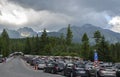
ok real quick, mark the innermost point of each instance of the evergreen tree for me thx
(85, 38)
(62, 39)
(85, 48)
(97, 36)
(5, 43)
(27, 46)
(43, 40)
(115, 52)
(37, 44)
(33, 45)
(69, 36)
(44, 36)
(104, 53)
(47, 49)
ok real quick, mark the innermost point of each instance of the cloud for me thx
(56, 14)
(115, 22)
(11, 13)
(47, 19)
(66, 5)
(14, 14)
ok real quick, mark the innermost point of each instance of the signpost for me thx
(96, 61)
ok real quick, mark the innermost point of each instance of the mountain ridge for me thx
(77, 31)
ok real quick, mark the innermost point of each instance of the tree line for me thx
(61, 46)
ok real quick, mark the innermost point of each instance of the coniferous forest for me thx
(61, 46)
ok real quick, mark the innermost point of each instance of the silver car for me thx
(108, 71)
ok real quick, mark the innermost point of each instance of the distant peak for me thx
(88, 25)
(25, 29)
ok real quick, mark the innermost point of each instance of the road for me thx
(16, 67)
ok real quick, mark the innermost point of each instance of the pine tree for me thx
(62, 39)
(43, 40)
(27, 49)
(85, 48)
(5, 43)
(69, 36)
(85, 38)
(115, 52)
(37, 44)
(104, 53)
(97, 36)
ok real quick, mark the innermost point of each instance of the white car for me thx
(41, 65)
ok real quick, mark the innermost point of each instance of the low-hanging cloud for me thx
(55, 14)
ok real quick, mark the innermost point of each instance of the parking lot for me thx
(25, 66)
(16, 67)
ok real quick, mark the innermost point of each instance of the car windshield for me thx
(60, 64)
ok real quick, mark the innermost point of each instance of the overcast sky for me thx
(56, 14)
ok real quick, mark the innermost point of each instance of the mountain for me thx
(52, 34)
(78, 32)
(27, 32)
(21, 32)
(13, 33)
(56, 34)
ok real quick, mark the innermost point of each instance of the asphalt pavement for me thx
(16, 67)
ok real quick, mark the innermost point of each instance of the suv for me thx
(75, 70)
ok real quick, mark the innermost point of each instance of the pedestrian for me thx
(36, 66)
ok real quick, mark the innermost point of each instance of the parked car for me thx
(61, 66)
(41, 65)
(79, 70)
(108, 71)
(51, 68)
(75, 70)
(34, 62)
(118, 70)
(1, 60)
(90, 68)
(68, 69)
(28, 59)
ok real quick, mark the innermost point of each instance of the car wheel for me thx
(52, 71)
(98, 75)
(71, 74)
(64, 74)
(44, 70)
